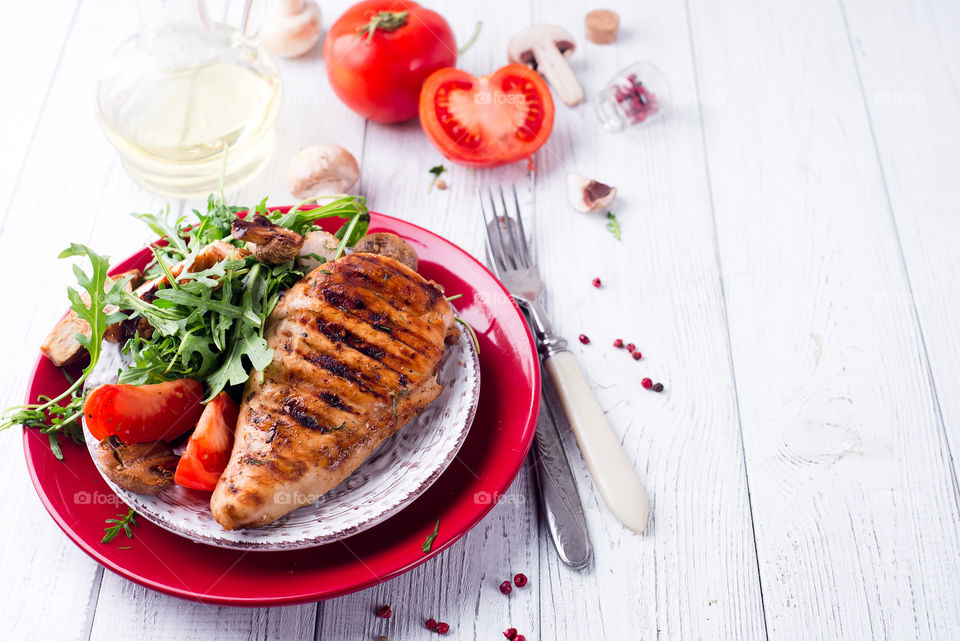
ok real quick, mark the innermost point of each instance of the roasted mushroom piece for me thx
(143, 468)
(269, 243)
(390, 245)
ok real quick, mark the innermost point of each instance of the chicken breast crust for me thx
(357, 344)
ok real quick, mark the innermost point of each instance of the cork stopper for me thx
(602, 25)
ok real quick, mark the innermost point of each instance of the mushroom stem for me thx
(553, 66)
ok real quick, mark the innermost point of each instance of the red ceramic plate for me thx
(79, 501)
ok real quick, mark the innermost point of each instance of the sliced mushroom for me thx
(391, 245)
(588, 195)
(544, 48)
(317, 245)
(269, 243)
(290, 27)
(321, 170)
(143, 468)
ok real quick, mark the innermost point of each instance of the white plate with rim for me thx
(397, 472)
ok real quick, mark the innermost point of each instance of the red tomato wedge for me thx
(209, 447)
(488, 121)
(140, 413)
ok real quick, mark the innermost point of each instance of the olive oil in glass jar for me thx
(185, 95)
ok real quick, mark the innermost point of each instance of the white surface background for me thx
(788, 267)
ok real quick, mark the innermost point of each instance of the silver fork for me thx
(612, 471)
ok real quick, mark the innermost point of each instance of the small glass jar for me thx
(187, 100)
(634, 96)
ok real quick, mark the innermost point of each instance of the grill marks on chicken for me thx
(356, 347)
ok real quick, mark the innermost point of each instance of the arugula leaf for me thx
(159, 225)
(343, 206)
(232, 370)
(439, 169)
(207, 325)
(48, 413)
(613, 225)
(121, 523)
(428, 543)
(351, 232)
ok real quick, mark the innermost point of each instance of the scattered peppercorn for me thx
(636, 100)
(646, 383)
(636, 355)
(431, 624)
(584, 339)
(506, 588)
(596, 282)
(443, 628)
(385, 612)
(441, 184)
(519, 637)
(631, 347)
(520, 580)
(618, 343)
(383, 639)
(510, 633)
(658, 387)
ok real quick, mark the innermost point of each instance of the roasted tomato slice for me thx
(487, 121)
(141, 413)
(209, 447)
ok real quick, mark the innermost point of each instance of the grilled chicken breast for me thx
(356, 345)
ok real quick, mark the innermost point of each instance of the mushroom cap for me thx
(291, 27)
(520, 49)
(320, 170)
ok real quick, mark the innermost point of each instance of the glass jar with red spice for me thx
(636, 95)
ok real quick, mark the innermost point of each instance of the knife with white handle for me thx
(556, 489)
(612, 471)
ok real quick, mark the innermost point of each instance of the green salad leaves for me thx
(206, 325)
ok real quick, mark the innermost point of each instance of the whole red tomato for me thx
(379, 53)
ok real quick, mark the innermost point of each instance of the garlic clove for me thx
(588, 195)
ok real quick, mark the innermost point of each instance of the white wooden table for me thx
(789, 267)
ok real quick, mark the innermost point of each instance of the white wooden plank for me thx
(460, 586)
(397, 157)
(906, 57)
(55, 203)
(853, 501)
(309, 114)
(694, 574)
(31, 43)
(126, 606)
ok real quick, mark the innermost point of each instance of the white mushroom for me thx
(588, 195)
(544, 48)
(317, 244)
(321, 170)
(290, 27)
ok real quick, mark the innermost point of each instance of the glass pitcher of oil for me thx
(188, 100)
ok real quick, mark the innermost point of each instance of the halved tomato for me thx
(209, 447)
(140, 413)
(488, 121)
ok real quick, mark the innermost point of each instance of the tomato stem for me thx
(385, 21)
